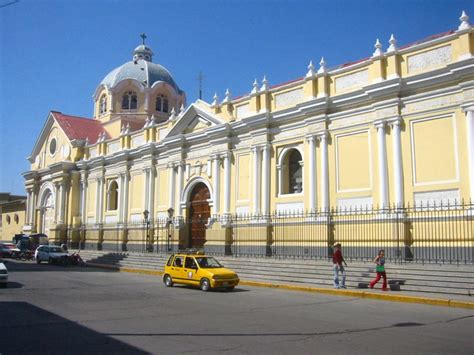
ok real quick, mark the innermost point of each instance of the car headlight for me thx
(217, 277)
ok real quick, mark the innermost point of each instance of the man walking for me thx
(337, 260)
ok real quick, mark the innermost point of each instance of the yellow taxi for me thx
(196, 269)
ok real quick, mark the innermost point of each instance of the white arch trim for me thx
(287, 150)
(43, 192)
(184, 199)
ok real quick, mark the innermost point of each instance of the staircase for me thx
(420, 278)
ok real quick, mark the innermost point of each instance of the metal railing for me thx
(435, 232)
(432, 232)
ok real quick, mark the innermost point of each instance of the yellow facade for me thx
(393, 129)
(12, 215)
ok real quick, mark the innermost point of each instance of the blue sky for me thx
(54, 53)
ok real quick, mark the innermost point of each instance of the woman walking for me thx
(380, 269)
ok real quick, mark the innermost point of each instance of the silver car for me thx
(3, 275)
(51, 253)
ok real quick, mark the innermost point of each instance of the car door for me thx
(177, 270)
(41, 253)
(191, 270)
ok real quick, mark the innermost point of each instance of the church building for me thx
(394, 129)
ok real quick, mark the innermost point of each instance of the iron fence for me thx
(441, 233)
(430, 232)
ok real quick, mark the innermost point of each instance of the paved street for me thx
(54, 309)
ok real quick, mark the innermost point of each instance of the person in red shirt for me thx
(337, 260)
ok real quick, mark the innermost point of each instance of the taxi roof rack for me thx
(190, 251)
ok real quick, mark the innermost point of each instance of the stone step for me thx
(447, 279)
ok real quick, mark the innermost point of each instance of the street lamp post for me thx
(147, 222)
(169, 222)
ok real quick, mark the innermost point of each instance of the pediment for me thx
(193, 120)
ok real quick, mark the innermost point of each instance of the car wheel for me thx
(38, 260)
(168, 281)
(3, 285)
(50, 261)
(205, 285)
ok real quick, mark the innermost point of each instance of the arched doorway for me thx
(47, 211)
(198, 215)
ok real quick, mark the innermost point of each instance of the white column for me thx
(151, 193)
(470, 148)
(266, 180)
(312, 174)
(171, 179)
(33, 208)
(382, 151)
(179, 211)
(397, 160)
(83, 200)
(227, 177)
(217, 184)
(99, 205)
(324, 171)
(126, 180)
(57, 200)
(28, 206)
(62, 201)
(256, 180)
(112, 102)
(146, 186)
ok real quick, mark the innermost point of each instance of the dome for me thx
(145, 72)
(142, 69)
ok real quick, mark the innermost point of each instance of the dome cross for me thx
(144, 37)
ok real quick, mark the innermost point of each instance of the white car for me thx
(3, 275)
(51, 253)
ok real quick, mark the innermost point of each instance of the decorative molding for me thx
(93, 152)
(242, 210)
(354, 202)
(353, 80)
(430, 59)
(138, 141)
(290, 207)
(289, 98)
(455, 150)
(113, 147)
(369, 147)
(242, 111)
(436, 197)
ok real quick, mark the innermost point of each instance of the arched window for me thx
(129, 101)
(291, 172)
(295, 172)
(16, 218)
(103, 104)
(112, 196)
(161, 103)
(8, 219)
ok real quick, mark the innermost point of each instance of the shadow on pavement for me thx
(25, 328)
(31, 266)
(12, 284)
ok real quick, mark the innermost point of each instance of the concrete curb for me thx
(327, 291)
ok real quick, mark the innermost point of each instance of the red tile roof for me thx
(79, 127)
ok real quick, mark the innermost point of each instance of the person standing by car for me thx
(337, 260)
(380, 269)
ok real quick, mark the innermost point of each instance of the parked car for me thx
(197, 269)
(3, 275)
(8, 250)
(52, 254)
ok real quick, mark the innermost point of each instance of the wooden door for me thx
(199, 213)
